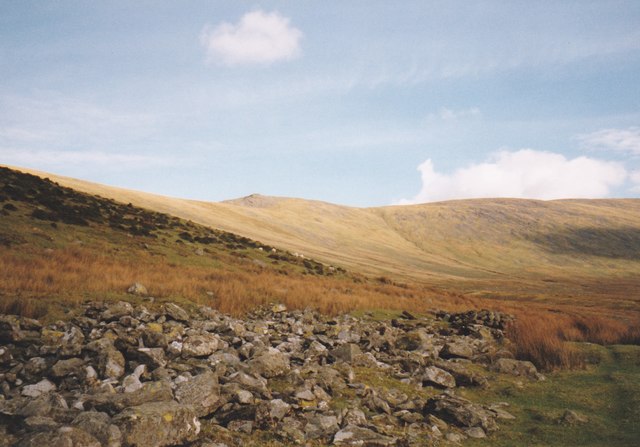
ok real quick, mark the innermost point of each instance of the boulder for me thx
(457, 349)
(269, 364)
(158, 424)
(346, 353)
(438, 377)
(517, 368)
(35, 390)
(176, 312)
(352, 435)
(461, 412)
(68, 367)
(100, 427)
(202, 392)
(63, 437)
(200, 345)
(137, 289)
(321, 426)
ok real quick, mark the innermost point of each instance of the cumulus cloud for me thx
(619, 140)
(522, 174)
(258, 38)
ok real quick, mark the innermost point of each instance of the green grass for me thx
(608, 394)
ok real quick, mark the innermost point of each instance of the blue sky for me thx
(362, 103)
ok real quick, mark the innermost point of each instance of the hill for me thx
(562, 252)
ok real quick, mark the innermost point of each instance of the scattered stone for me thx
(438, 377)
(35, 390)
(352, 435)
(137, 289)
(571, 417)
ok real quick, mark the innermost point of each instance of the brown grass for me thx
(31, 282)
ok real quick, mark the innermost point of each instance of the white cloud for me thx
(522, 174)
(258, 38)
(619, 140)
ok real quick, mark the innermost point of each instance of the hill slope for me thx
(564, 250)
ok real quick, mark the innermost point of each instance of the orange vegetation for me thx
(30, 284)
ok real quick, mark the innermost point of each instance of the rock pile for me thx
(123, 375)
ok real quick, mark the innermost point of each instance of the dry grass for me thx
(73, 274)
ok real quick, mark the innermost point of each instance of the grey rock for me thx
(202, 392)
(68, 367)
(35, 390)
(176, 312)
(138, 289)
(321, 426)
(63, 437)
(457, 349)
(200, 345)
(271, 363)
(352, 435)
(100, 427)
(158, 424)
(347, 352)
(517, 368)
(438, 377)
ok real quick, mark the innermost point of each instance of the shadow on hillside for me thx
(614, 243)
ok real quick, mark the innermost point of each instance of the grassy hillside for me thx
(563, 253)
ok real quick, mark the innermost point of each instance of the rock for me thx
(118, 310)
(202, 392)
(154, 338)
(69, 367)
(414, 340)
(40, 423)
(347, 352)
(321, 426)
(35, 390)
(517, 368)
(571, 417)
(457, 349)
(63, 437)
(132, 382)
(137, 289)
(438, 377)
(159, 391)
(461, 412)
(244, 397)
(475, 432)
(176, 312)
(352, 435)
(152, 357)
(110, 360)
(158, 424)
(100, 427)
(271, 363)
(278, 308)
(200, 345)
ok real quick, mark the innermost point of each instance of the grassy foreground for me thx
(607, 393)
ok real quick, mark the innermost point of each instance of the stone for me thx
(63, 437)
(100, 427)
(137, 289)
(571, 417)
(278, 308)
(154, 338)
(517, 368)
(110, 361)
(457, 349)
(158, 424)
(321, 426)
(152, 357)
(461, 412)
(35, 390)
(352, 435)
(200, 345)
(271, 363)
(117, 310)
(69, 367)
(158, 391)
(475, 432)
(438, 377)
(202, 392)
(176, 312)
(347, 352)
(244, 397)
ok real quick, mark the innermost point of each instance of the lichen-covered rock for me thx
(461, 412)
(271, 363)
(347, 352)
(200, 345)
(63, 437)
(176, 312)
(158, 424)
(35, 390)
(99, 426)
(202, 392)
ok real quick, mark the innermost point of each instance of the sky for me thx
(361, 103)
